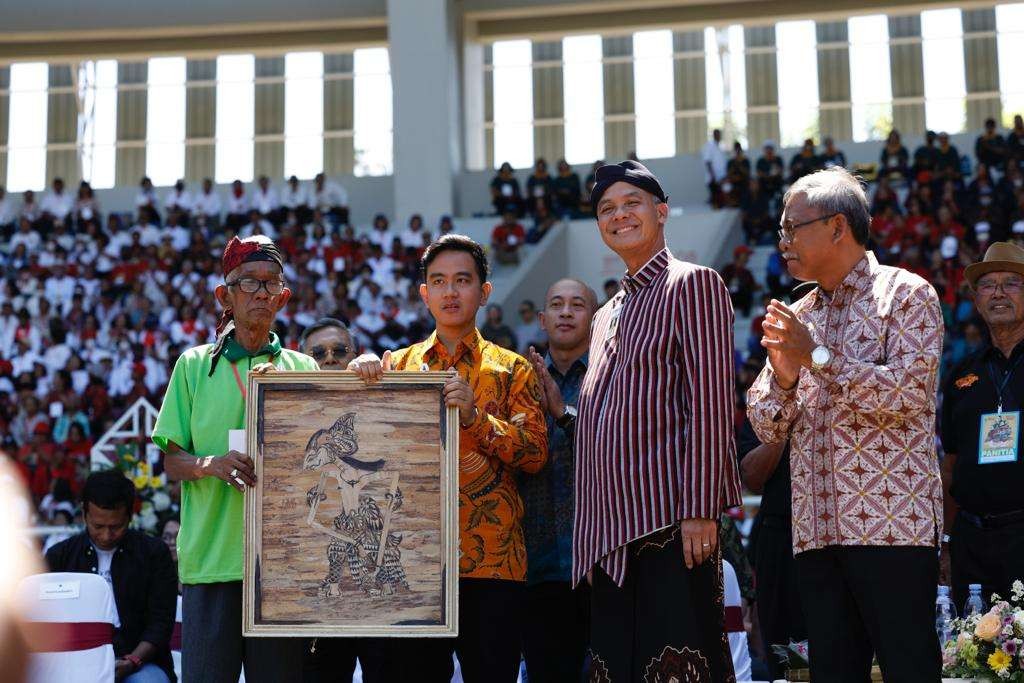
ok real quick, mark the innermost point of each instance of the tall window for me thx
(654, 96)
(513, 103)
(97, 122)
(236, 114)
(945, 87)
(165, 120)
(303, 114)
(1010, 38)
(798, 81)
(373, 116)
(26, 133)
(725, 80)
(870, 77)
(583, 98)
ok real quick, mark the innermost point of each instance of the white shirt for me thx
(332, 194)
(7, 212)
(238, 204)
(380, 237)
(57, 205)
(146, 198)
(149, 235)
(31, 240)
(60, 290)
(181, 200)
(181, 238)
(293, 199)
(266, 228)
(412, 238)
(104, 558)
(118, 241)
(208, 204)
(713, 154)
(265, 202)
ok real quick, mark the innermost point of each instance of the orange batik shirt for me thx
(509, 434)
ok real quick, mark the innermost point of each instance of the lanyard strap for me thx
(241, 387)
(1001, 386)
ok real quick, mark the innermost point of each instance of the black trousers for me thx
(333, 660)
(665, 623)
(866, 600)
(556, 631)
(778, 596)
(992, 557)
(488, 646)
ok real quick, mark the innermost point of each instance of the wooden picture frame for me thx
(339, 466)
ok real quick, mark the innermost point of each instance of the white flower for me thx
(161, 501)
(1018, 620)
(1018, 589)
(1008, 630)
(148, 521)
(1004, 673)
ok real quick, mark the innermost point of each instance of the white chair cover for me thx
(737, 639)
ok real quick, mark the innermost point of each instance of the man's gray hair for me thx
(836, 191)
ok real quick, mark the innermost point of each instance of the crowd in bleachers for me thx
(96, 306)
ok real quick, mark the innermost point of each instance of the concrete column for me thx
(200, 118)
(981, 66)
(62, 127)
(269, 119)
(131, 123)
(5, 111)
(690, 90)
(424, 63)
(548, 102)
(619, 98)
(835, 113)
(906, 63)
(762, 85)
(339, 112)
(474, 106)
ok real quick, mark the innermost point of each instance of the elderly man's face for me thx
(999, 298)
(631, 221)
(806, 249)
(331, 348)
(259, 307)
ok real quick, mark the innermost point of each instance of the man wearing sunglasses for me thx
(982, 475)
(851, 381)
(329, 343)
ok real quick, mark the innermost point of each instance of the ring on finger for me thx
(234, 472)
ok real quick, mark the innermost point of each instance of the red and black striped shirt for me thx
(654, 437)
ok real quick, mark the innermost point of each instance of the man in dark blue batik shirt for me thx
(555, 632)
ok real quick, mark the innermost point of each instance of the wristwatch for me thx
(568, 418)
(945, 539)
(820, 357)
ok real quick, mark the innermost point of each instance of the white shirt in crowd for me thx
(208, 204)
(146, 198)
(265, 226)
(8, 214)
(712, 154)
(178, 200)
(528, 334)
(59, 289)
(332, 194)
(57, 205)
(32, 241)
(293, 199)
(149, 235)
(239, 204)
(412, 238)
(265, 202)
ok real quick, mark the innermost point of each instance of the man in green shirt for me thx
(205, 399)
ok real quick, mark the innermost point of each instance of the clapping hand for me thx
(551, 400)
(788, 341)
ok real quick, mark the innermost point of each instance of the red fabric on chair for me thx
(47, 636)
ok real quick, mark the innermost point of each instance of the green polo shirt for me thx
(197, 412)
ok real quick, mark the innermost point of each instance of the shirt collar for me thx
(471, 342)
(990, 352)
(646, 274)
(582, 362)
(858, 279)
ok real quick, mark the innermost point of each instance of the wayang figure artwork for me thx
(361, 537)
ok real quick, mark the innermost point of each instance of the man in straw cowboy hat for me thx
(982, 471)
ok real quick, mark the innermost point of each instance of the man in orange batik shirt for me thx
(503, 431)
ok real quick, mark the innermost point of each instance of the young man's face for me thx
(453, 291)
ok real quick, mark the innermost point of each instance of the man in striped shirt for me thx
(655, 451)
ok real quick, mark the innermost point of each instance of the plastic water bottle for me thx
(975, 604)
(945, 613)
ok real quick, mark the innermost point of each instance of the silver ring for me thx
(234, 472)
(705, 545)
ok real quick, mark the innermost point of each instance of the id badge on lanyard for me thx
(999, 432)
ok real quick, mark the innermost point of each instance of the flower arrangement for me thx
(153, 499)
(991, 645)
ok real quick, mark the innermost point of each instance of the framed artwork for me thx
(352, 527)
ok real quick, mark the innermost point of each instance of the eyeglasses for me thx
(786, 234)
(1009, 287)
(251, 285)
(338, 351)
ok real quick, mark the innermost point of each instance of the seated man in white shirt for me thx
(146, 195)
(264, 199)
(26, 235)
(30, 207)
(380, 235)
(146, 227)
(412, 237)
(331, 198)
(59, 286)
(179, 199)
(207, 205)
(57, 205)
(257, 225)
(295, 199)
(181, 237)
(237, 207)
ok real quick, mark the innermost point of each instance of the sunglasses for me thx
(320, 352)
